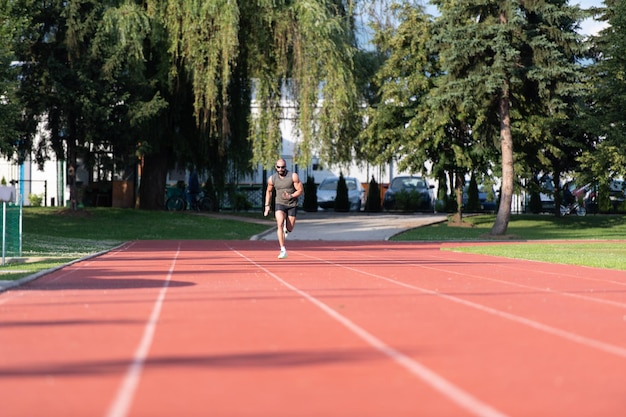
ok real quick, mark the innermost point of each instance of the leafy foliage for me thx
(408, 201)
(606, 118)
(465, 88)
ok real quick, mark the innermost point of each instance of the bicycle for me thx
(200, 202)
(178, 202)
(573, 208)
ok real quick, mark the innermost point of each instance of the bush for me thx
(534, 204)
(408, 201)
(342, 203)
(240, 202)
(373, 203)
(310, 195)
(36, 200)
(473, 200)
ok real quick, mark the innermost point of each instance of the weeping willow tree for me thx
(174, 80)
(295, 52)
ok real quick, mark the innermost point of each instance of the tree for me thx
(9, 105)
(373, 203)
(83, 72)
(342, 202)
(130, 76)
(295, 50)
(310, 195)
(416, 120)
(402, 81)
(606, 118)
(493, 55)
(473, 201)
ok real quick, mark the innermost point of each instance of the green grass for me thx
(55, 236)
(593, 230)
(526, 227)
(110, 226)
(610, 255)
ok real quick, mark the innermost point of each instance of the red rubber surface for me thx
(205, 328)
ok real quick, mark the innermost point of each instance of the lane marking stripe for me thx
(445, 387)
(583, 340)
(125, 394)
(564, 293)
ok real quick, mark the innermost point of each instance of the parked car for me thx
(327, 192)
(617, 195)
(486, 196)
(546, 196)
(408, 193)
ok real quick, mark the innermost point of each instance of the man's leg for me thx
(291, 222)
(291, 219)
(280, 219)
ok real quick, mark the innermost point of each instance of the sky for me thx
(590, 26)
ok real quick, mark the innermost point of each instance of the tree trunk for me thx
(558, 192)
(152, 187)
(506, 143)
(458, 192)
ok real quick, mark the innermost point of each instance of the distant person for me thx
(193, 188)
(288, 189)
(568, 197)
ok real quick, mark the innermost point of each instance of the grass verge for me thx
(586, 238)
(54, 236)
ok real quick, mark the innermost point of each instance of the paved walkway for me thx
(333, 226)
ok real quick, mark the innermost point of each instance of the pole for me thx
(4, 230)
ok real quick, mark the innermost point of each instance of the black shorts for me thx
(289, 211)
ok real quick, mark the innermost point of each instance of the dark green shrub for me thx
(342, 203)
(408, 201)
(473, 200)
(373, 203)
(604, 200)
(534, 203)
(240, 202)
(211, 193)
(310, 195)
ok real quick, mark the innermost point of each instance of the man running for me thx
(288, 189)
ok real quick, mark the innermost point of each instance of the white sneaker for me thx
(282, 254)
(285, 231)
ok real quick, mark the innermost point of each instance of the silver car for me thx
(327, 192)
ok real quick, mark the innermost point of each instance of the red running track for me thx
(206, 328)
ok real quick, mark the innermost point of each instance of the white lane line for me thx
(509, 283)
(445, 387)
(125, 394)
(573, 337)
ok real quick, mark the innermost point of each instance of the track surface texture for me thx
(350, 329)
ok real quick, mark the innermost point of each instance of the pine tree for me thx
(473, 201)
(373, 202)
(342, 203)
(504, 59)
(310, 195)
(606, 118)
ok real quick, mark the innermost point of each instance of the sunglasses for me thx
(281, 167)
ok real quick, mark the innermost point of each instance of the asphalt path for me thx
(332, 226)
